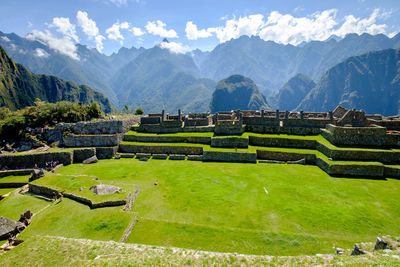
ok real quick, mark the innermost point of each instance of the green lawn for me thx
(71, 219)
(4, 191)
(15, 179)
(223, 206)
(15, 204)
(73, 184)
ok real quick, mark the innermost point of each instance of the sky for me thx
(108, 25)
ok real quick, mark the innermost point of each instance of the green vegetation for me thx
(4, 191)
(13, 124)
(19, 88)
(15, 204)
(74, 183)
(223, 206)
(51, 251)
(15, 179)
(71, 219)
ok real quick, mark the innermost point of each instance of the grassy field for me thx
(74, 183)
(224, 207)
(15, 179)
(55, 251)
(4, 191)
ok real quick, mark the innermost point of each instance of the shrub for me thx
(139, 111)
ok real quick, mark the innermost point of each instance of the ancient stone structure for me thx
(105, 189)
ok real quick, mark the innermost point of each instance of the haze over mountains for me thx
(157, 78)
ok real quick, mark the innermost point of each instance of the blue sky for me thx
(110, 24)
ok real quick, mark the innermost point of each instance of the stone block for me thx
(177, 157)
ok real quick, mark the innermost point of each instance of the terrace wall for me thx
(167, 139)
(283, 130)
(229, 157)
(231, 142)
(281, 142)
(90, 140)
(285, 156)
(28, 161)
(184, 150)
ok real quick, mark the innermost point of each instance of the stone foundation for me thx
(229, 157)
(230, 142)
(184, 150)
(91, 140)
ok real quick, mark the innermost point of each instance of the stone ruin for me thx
(104, 189)
(341, 126)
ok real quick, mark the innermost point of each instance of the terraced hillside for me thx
(217, 193)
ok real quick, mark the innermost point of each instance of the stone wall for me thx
(12, 185)
(356, 136)
(281, 142)
(229, 157)
(15, 172)
(285, 156)
(291, 122)
(28, 161)
(79, 155)
(167, 139)
(283, 130)
(106, 152)
(197, 122)
(47, 191)
(184, 150)
(231, 142)
(150, 120)
(91, 140)
(391, 172)
(387, 157)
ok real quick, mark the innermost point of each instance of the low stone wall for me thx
(28, 161)
(167, 139)
(391, 172)
(229, 157)
(197, 122)
(291, 122)
(283, 130)
(357, 170)
(285, 156)
(202, 129)
(91, 140)
(356, 136)
(16, 172)
(79, 155)
(106, 152)
(177, 157)
(159, 156)
(238, 142)
(12, 185)
(184, 150)
(150, 120)
(223, 129)
(387, 157)
(281, 142)
(47, 191)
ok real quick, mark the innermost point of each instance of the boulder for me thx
(339, 251)
(105, 189)
(7, 226)
(36, 174)
(357, 250)
(144, 159)
(380, 244)
(90, 160)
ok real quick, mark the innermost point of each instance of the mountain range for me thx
(156, 78)
(19, 87)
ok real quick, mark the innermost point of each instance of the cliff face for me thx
(237, 92)
(370, 82)
(290, 95)
(19, 87)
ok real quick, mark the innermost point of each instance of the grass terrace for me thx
(225, 207)
(15, 179)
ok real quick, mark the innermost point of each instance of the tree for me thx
(139, 111)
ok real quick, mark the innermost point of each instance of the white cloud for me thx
(5, 39)
(90, 29)
(287, 29)
(159, 28)
(65, 27)
(177, 48)
(114, 32)
(234, 28)
(137, 31)
(63, 45)
(357, 25)
(192, 33)
(120, 3)
(40, 53)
